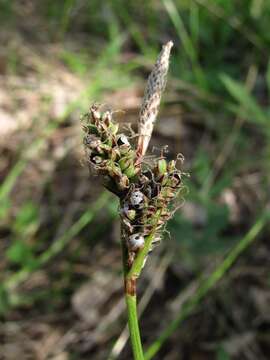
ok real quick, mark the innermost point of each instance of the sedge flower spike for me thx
(152, 96)
(147, 192)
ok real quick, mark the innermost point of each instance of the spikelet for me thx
(147, 194)
(151, 100)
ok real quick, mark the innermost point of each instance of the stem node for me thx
(130, 286)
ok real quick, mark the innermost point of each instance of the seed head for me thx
(147, 191)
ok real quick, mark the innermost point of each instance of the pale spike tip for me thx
(169, 45)
(152, 96)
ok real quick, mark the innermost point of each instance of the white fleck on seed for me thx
(136, 198)
(135, 242)
(122, 140)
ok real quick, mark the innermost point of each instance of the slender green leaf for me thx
(247, 102)
(207, 284)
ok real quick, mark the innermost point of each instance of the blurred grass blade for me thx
(234, 20)
(256, 8)
(10, 180)
(75, 229)
(59, 244)
(248, 103)
(186, 41)
(194, 23)
(26, 153)
(133, 28)
(181, 30)
(8, 185)
(268, 78)
(66, 17)
(208, 284)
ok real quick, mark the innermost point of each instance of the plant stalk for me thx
(133, 324)
(130, 277)
(131, 301)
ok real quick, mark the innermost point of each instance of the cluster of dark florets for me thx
(146, 192)
(109, 151)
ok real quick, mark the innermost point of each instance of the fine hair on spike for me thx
(152, 96)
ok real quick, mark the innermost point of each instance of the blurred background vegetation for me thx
(60, 260)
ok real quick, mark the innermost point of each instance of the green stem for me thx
(137, 266)
(131, 301)
(130, 277)
(133, 325)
